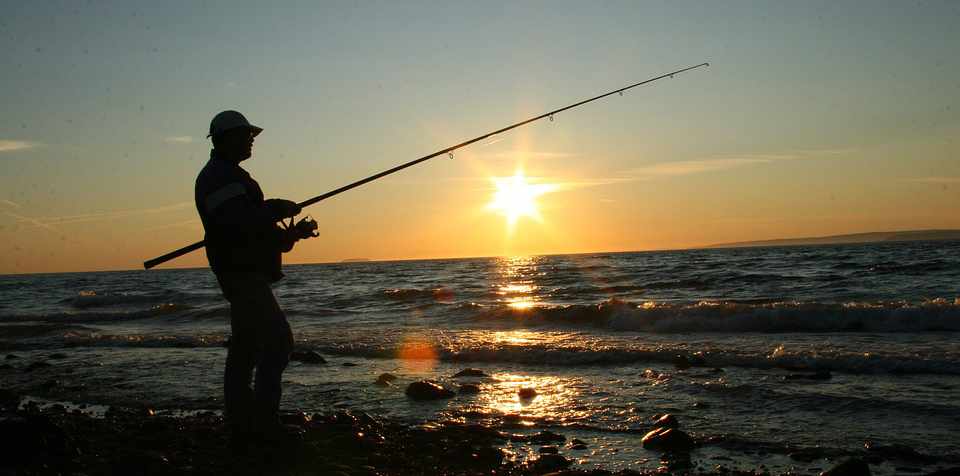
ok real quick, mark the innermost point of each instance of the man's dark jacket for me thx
(241, 234)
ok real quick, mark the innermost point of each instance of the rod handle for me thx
(171, 255)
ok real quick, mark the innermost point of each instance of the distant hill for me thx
(877, 236)
(355, 260)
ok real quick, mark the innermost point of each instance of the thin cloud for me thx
(32, 221)
(50, 222)
(690, 167)
(724, 162)
(179, 140)
(7, 145)
(935, 180)
(192, 223)
(522, 154)
(661, 170)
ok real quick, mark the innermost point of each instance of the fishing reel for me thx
(305, 228)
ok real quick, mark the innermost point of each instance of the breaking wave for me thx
(937, 315)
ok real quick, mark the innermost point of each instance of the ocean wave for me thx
(854, 363)
(87, 299)
(91, 317)
(537, 354)
(93, 339)
(415, 294)
(771, 317)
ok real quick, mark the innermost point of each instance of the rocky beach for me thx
(790, 360)
(48, 434)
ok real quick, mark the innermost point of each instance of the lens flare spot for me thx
(417, 355)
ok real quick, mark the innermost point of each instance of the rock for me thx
(11, 357)
(850, 467)
(807, 455)
(667, 439)
(8, 398)
(348, 364)
(307, 357)
(666, 421)
(526, 393)
(424, 390)
(578, 447)
(295, 417)
(896, 451)
(818, 375)
(37, 365)
(469, 389)
(546, 436)
(550, 462)
(470, 373)
(145, 410)
(698, 359)
(650, 374)
(681, 362)
(549, 450)
(385, 379)
(488, 457)
(577, 441)
(946, 472)
(35, 439)
(542, 437)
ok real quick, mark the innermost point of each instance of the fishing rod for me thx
(449, 150)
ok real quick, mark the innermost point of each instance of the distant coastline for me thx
(871, 237)
(355, 260)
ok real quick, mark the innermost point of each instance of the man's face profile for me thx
(237, 143)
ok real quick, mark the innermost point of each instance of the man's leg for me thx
(272, 360)
(238, 397)
(242, 354)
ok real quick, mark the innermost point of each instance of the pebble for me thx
(36, 365)
(307, 357)
(470, 373)
(667, 439)
(550, 462)
(469, 389)
(424, 390)
(385, 379)
(850, 467)
(552, 450)
(666, 421)
(527, 393)
(543, 437)
(818, 375)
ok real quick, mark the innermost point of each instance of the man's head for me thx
(232, 136)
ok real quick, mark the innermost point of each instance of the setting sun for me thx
(516, 197)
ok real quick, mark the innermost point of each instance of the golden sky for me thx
(816, 118)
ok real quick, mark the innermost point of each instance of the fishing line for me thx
(448, 151)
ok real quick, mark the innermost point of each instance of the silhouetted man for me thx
(244, 244)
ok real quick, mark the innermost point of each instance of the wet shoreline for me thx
(57, 432)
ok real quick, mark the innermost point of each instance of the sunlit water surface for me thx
(595, 336)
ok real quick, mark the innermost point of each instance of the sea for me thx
(798, 356)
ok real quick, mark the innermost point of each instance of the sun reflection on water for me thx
(518, 286)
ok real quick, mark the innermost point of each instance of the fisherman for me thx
(244, 244)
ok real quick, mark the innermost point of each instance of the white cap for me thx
(227, 120)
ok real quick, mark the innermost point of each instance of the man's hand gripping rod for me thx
(187, 249)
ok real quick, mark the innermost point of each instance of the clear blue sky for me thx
(106, 105)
